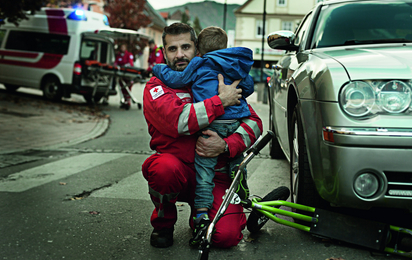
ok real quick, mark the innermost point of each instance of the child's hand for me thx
(229, 94)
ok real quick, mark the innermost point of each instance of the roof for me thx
(165, 15)
(157, 20)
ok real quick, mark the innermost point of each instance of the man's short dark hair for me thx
(151, 41)
(179, 28)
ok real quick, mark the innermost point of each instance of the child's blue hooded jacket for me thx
(233, 63)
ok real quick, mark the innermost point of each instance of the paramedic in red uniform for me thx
(125, 59)
(173, 121)
(155, 56)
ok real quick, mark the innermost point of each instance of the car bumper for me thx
(391, 165)
(338, 155)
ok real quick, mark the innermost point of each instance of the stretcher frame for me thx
(99, 71)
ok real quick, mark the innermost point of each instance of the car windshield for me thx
(363, 23)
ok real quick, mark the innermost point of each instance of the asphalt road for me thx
(90, 201)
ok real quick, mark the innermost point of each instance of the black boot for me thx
(162, 238)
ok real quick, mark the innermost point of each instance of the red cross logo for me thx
(155, 90)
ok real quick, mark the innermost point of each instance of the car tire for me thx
(302, 187)
(52, 89)
(275, 149)
(11, 88)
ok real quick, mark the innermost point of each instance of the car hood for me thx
(386, 62)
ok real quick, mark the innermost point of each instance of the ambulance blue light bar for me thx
(106, 20)
(78, 15)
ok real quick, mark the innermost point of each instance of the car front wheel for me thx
(303, 189)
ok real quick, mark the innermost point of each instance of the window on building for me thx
(287, 26)
(259, 28)
(281, 2)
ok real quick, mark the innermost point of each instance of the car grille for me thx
(399, 184)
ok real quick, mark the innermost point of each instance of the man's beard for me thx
(173, 66)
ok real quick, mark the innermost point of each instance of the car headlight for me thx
(363, 98)
(394, 96)
(357, 98)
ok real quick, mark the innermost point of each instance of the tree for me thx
(127, 14)
(185, 19)
(13, 11)
(196, 25)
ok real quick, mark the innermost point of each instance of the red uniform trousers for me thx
(171, 180)
(125, 83)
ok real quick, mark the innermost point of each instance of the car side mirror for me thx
(282, 40)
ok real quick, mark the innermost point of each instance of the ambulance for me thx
(48, 52)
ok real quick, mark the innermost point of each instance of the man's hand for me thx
(210, 147)
(229, 94)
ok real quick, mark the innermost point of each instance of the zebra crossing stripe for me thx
(30, 178)
(132, 187)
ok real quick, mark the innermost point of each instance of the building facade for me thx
(280, 15)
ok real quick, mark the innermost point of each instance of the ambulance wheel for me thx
(11, 88)
(90, 100)
(52, 88)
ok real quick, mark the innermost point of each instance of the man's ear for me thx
(164, 54)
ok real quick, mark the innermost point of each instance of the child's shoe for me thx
(201, 224)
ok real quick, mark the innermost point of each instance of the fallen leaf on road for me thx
(334, 258)
(249, 239)
(94, 212)
(62, 183)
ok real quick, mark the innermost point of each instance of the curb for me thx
(98, 130)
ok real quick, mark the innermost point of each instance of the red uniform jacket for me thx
(155, 57)
(173, 120)
(124, 58)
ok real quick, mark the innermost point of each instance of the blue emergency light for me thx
(106, 20)
(78, 15)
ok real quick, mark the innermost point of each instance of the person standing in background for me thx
(124, 58)
(155, 56)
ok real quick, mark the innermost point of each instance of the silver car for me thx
(340, 104)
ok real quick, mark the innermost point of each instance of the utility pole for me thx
(263, 41)
(224, 15)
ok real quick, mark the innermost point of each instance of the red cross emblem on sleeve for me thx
(156, 92)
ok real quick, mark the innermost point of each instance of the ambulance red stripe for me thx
(47, 61)
(19, 54)
(56, 21)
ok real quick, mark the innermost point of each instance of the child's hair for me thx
(211, 38)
